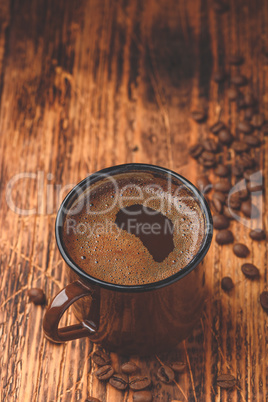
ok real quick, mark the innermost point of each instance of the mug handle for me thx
(61, 302)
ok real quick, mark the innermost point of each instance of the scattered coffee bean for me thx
(37, 296)
(237, 170)
(101, 358)
(236, 59)
(218, 195)
(252, 141)
(219, 76)
(265, 128)
(210, 145)
(240, 101)
(227, 283)
(239, 147)
(220, 222)
(199, 115)
(257, 234)
(142, 396)
(225, 137)
(224, 237)
(227, 212)
(249, 210)
(254, 186)
(91, 399)
(240, 250)
(245, 127)
(249, 112)
(245, 161)
(104, 373)
(208, 156)
(139, 382)
(196, 150)
(216, 206)
(178, 367)
(226, 381)
(222, 171)
(239, 80)
(257, 120)
(220, 6)
(264, 300)
(204, 184)
(206, 162)
(119, 381)
(223, 186)
(217, 127)
(250, 270)
(233, 94)
(234, 201)
(129, 368)
(243, 194)
(165, 374)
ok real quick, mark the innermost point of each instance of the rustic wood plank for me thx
(90, 84)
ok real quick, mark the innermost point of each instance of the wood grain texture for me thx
(90, 84)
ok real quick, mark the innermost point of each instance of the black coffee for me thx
(134, 228)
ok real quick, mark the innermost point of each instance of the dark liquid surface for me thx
(153, 228)
(133, 230)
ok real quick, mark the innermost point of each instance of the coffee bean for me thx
(234, 201)
(101, 358)
(139, 382)
(265, 128)
(217, 127)
(37, 296)
(264, 300)
(224, 237)
(206, 162)
(243, 194)
(249, 210)
(165, 374)
(239, 147)
(210, 145)
(227, 283)
(208, 156)
(129, 368)
(245, 127)
(257, 234)
(196, 150)
(227, 212)
(237, 170)
(220, 222)
(248, 173)
(257, 120)
(249, 99)
(233, 94)
(240, 250)
(199, 115)
(219, 76)
(252, 141)
(249, 112)
(240, 101)
(245, 161)
(216, 206)
(142, 396)
(91, 399)
(222, 171)
(178, 367)
(254, 186)
(218, 195)
(104, 373)
(250, 270)
(225, 137)
(204, 184)
(220, 6)
(236, 59)
(239, 80)
(223, 186)
(119, 381)
(226, 381)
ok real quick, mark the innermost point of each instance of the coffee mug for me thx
(149, 309)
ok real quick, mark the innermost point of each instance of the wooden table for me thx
(93, 83)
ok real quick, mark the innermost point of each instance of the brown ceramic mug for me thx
(140, 319)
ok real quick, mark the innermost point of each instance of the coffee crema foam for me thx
(95, 243)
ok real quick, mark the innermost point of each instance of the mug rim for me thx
(128, 167)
